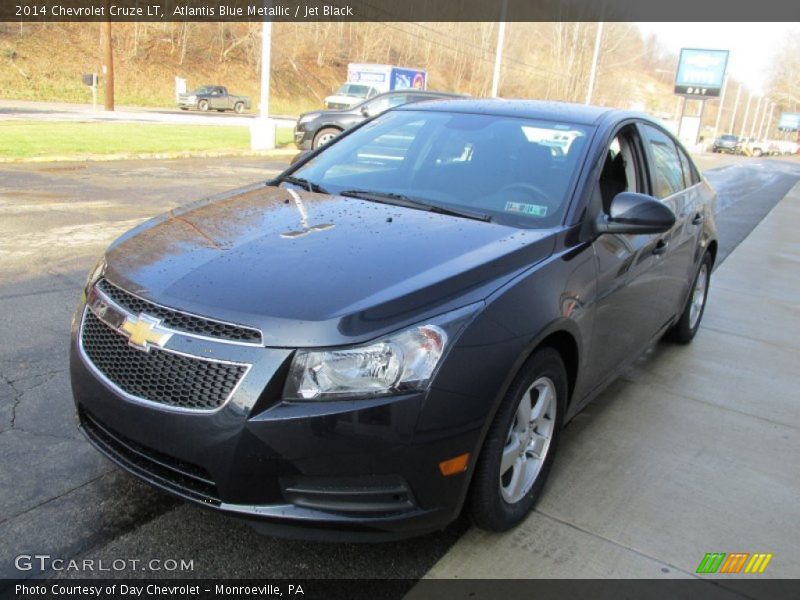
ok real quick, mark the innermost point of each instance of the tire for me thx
(203, 105)
(686, 328)
(238, 108)
(494, 502)
(757, 152)
(323, 136)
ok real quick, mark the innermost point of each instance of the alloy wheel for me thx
(698, 296)
(528, 440)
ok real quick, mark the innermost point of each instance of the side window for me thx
(383, 103)
(621, 172)
(668, 176)
(690, 175)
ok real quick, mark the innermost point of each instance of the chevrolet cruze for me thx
(396, 328)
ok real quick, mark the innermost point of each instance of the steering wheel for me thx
(527, 188)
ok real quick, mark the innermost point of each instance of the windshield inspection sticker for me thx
(533, 210)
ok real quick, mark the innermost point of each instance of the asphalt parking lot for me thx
(60, 497)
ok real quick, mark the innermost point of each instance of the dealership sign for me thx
(701, 73)
(789, 122)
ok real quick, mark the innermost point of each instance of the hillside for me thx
(542, 60)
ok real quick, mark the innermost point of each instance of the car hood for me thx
(321, 270)
(351, 100)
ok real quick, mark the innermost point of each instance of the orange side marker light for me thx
(454, 466)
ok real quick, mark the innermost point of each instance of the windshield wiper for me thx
(408, 202)
(300, 182)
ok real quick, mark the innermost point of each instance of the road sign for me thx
(701, 73)
(789, 122)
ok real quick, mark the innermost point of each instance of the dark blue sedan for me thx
(397, 328)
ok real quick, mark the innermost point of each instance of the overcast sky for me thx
(752, 45)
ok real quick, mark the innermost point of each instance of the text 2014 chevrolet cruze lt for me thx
(398, 326)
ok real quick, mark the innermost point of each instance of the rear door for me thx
(677, 186)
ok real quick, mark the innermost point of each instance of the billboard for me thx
(789, 122)
(701, 73)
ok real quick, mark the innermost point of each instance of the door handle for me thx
(698, 219)
(660, 247)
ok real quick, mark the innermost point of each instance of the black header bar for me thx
(396, 11)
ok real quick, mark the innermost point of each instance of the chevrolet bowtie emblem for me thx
(144, 331)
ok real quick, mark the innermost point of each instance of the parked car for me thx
(350, 94)
(317, 128)
(213, 97)
(398, 326)
(732, 144)
(753, 147)
(783, 147)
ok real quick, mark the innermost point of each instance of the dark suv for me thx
(727, 143)
(317, 128)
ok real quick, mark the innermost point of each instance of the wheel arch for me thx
(565, 344)
(712, 249)
(561, 336)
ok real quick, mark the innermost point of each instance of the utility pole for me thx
(735, 108)
(262, 130)
(595, 59)
(721, 105)
(763, 117)
(769, 121)
(108, 64)
(266, 67)
(755, 118)
(498, 53)
(746, 113)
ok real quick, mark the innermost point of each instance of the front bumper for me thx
(303, 138)
(342, 469)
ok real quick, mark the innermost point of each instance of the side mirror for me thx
(636, 213)
(365, 111)
(300, 156)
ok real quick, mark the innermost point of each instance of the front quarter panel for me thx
(554, 296)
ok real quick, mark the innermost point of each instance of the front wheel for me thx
(518, 452)
(238, 108)
(686, 328)
(324, 136)
(203, 105)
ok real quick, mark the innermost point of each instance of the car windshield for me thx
(349, 89)
(517, 171)
(729, 138)
(206, 89)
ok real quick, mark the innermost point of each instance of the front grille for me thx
(158, 375)
(175, 475)
(177, 320)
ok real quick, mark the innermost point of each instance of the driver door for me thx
(627, 312)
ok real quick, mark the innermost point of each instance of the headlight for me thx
(307, 118)
(399, 363)
(96, 273)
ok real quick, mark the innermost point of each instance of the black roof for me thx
(581, 114)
